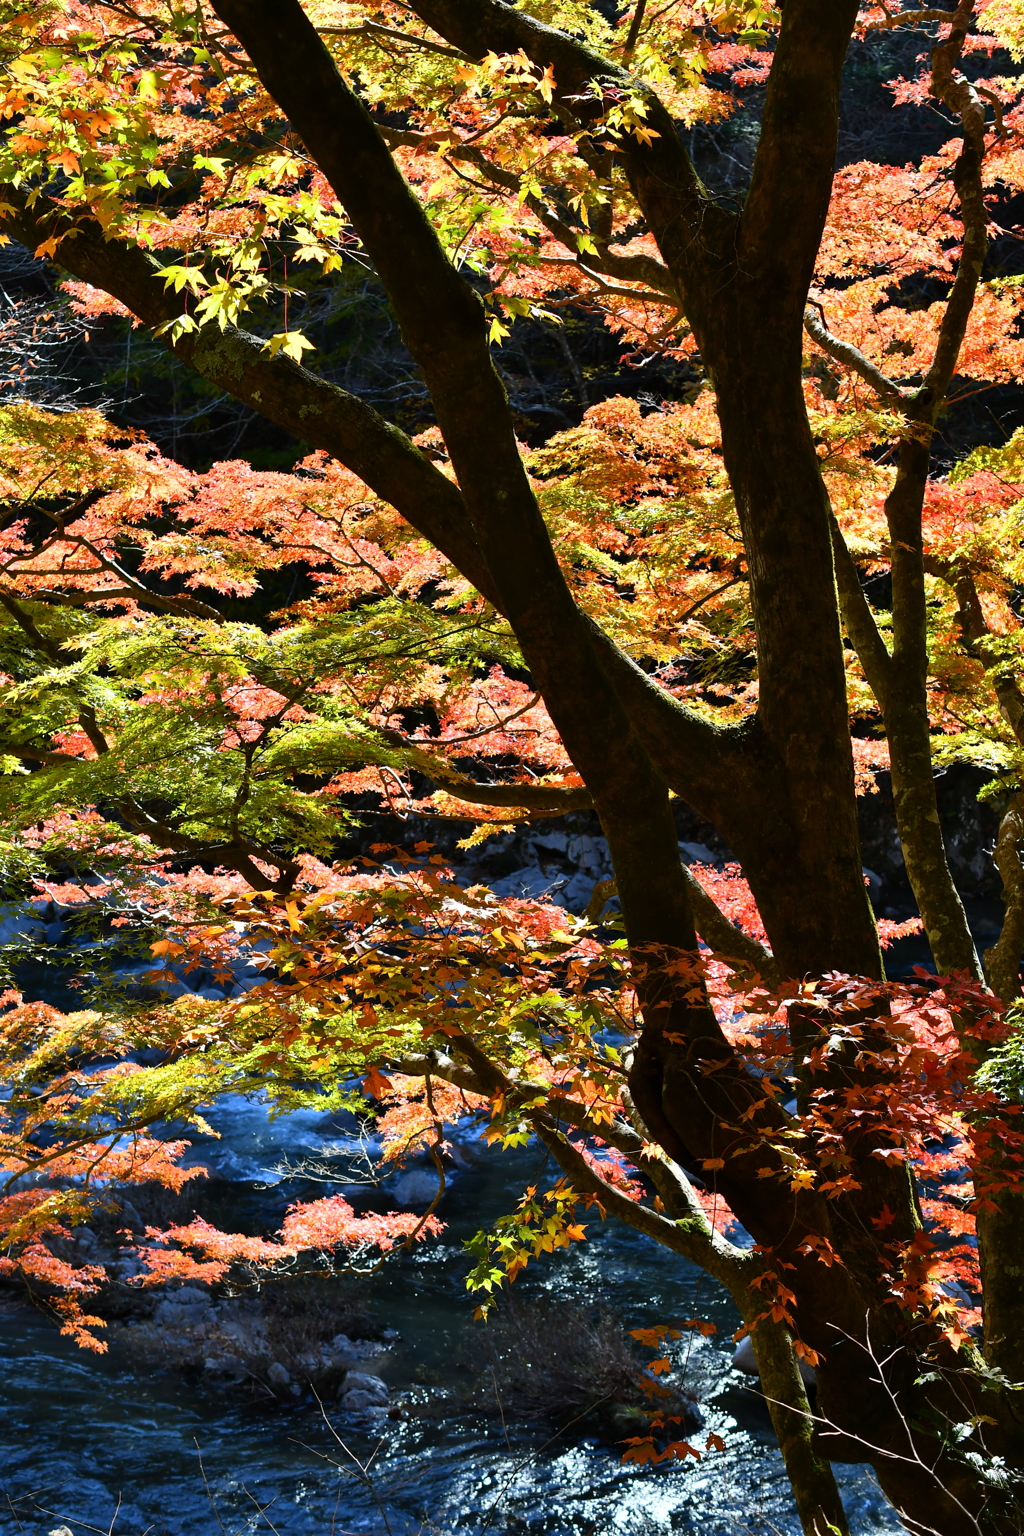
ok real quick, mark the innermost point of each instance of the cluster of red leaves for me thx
(917, 1046)
(205, 1254)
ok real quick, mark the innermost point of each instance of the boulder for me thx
(277, 1375)
(468, 1151)
(416, 1189)
(188, 1307)
(346, 1352)
(224, 1365)
(126, 1268)
(361, 1402)
(615, 1422)
(131, 1215)
(744, 1359)
(697, 853)
(360, 1393)
(360, 1381)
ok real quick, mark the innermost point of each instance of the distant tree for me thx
(677, 587)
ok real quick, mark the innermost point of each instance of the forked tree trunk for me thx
(781, 789)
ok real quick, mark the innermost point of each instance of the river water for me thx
(96, 1444)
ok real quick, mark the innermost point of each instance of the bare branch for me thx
(374, 29)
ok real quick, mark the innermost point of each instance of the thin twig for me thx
(262, 1509)
(633, 35)
(206, 1485)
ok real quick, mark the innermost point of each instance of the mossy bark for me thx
(814, 1485)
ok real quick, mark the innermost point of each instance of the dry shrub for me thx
(552, 1358)
(302, 1314)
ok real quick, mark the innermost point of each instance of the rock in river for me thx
(360, 1393)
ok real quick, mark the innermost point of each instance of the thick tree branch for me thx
(137, 593)
(1002, 961)
(237, 853)
(791, 182)
(725, 940)
(845, 352)
(633, 35)
(690, 1235)
(911, 18)
(859, 621)
(39, 755)
(552, 799)
(183, 605)
(700, 761)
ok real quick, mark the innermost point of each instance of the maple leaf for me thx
(805, 1352)
(47, 247)
(292, 343)
(376, 1084)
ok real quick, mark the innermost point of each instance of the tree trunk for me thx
(816, 908)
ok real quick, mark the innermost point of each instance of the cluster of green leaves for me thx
(124, 692)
